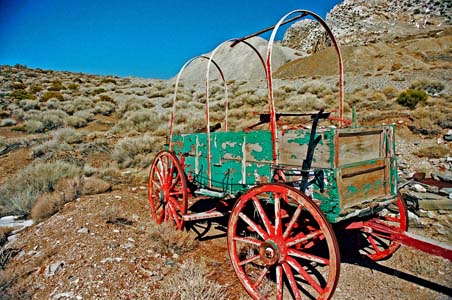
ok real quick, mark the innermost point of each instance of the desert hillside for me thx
(76, 150)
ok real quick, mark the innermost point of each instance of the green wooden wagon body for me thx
(359, 165)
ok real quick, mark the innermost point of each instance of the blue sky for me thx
(150, 39)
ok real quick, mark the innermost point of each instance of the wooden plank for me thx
(363, 182)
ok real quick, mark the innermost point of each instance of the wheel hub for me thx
(269, 253)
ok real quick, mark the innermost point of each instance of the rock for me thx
(54, 268)
(427, 201)
(169, 262)
(437, 204)
(65, 295)
(127, 245)
(83, 230)
(447, 137)
(111, 259)
(413, 219)
(442, 176)
(439, 228)
(418, 176)
(446, 191)
(93, 186)
(419, 188)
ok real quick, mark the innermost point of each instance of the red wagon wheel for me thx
(378, 245)
(281, 245)
(167, 190)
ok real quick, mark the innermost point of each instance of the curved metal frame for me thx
(188, 62)
(234, 43)
(273, 127)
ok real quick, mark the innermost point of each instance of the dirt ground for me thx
(98, 247)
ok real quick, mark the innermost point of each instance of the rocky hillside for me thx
(360, 22)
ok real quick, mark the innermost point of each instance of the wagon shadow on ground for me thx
(212, 228)
(350, 254)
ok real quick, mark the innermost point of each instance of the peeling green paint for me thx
(241, 160)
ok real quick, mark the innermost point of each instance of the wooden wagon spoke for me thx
(176, 217)
(175, 181)
(307, 256)
(309, 279)
(175, 204)
(159, 176)
(278, 218)
(292, 281)
(157, 184)
(249, 259)
(301, 237)
(279, 283)
(254, 226)
(247, 240)
(292, 222)
(260, 278)
(263, 215)
(176, 193)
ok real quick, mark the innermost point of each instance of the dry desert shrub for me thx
(317, 88)
(83, 103)
(435, 151)
(46, 205)
(130, 150)
(49, 149)
(143, 120)
(56, 86)
(4, 233)
(70, 188)
(53, 104)
(21, 95)
(7, 122)
(28, 104)
(50, 95)
(302, 103)
(431, 87)
(391, 92)
(73, 86)
(190, 281)
(93, 186)
(19, 193)
(105, 108)
(97, 146)
(35, 88)
(429, 120)
(12, 284)
(166, 239)
(76, 122)
(411, 98)
(86, 115)
(46, 120)
(67, 135)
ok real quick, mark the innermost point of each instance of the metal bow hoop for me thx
(233, 42)
(303, 13)
(170, 138)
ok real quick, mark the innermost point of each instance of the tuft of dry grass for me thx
(12, 284)
(190, 281)
(4, 233)
(166, 239)
(46, 205)
(93, 185)
(435, 151)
